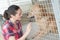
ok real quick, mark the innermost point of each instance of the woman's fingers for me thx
(29, 27)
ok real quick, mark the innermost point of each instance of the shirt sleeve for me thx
(20, 26)
(7, 32)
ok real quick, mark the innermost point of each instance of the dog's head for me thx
(34, 10)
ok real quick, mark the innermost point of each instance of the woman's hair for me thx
(10, 11)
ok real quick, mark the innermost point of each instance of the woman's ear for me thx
(12, 16)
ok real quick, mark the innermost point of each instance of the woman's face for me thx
(18, 15)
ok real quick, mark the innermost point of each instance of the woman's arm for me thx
(11, 38)
(27, 32)
(5, 31)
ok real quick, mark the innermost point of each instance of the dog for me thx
(45, 21)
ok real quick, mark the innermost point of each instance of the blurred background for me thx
(48, 8)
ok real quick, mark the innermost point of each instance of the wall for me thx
(56, 12)
(3, 5)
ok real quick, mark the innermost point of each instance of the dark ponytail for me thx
(10, 11)
(6, 15)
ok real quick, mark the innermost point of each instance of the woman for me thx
(12, 29)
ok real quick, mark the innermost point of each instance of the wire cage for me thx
(44, 18)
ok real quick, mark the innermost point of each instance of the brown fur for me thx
(46, 21)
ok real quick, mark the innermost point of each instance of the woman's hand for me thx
(28, 29)
(21, 39)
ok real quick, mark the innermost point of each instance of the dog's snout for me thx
(32, 17)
